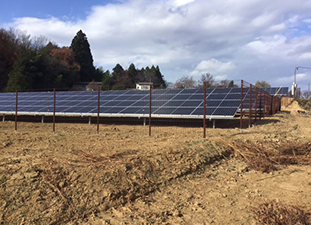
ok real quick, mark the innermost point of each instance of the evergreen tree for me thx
(83, 56)
(7, 56)
(99, 74)
(22, 74)
(107, 81)
(132, 73)
(161, 83)
(55, 72)
(262, 84)
(120, 78)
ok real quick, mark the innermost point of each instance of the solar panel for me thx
(280, 91)
(185, 103)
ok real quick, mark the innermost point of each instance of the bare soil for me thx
(123, 176)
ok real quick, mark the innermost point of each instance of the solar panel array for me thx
(185, 103)
(273, 90)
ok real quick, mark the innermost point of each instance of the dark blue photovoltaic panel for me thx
(135, 97)
(107, 97)
(273, 90)
(185, 102)
(29, 108)
(114, 110)
(230, 103)
(126, 103)
(131, 110)
(192, 103)
(172, 92)
(183, 111)
(157, 103)
(163, 110)
(111, 103)
(234, 96)
(87, 103)
(216, 96)
(221, 91)
(162, 97)
(141, 103)
(181, 96)
(199, 111)
(188, 91)
(45, 109)
(196, 97)
(8, 108)
(213, 103)
(225, 111)
(173, 103)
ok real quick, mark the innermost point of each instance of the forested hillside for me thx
(32, 64)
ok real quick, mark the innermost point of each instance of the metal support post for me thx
(241, 112)
(204, 111)
(54, 109)
(16, 106)
(98, 109)
(150, 98)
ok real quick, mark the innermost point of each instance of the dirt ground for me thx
(123, 176)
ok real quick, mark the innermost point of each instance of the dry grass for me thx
(277, 213)
(266, 158)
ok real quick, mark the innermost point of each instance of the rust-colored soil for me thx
(123, 176)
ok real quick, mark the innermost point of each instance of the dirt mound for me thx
(294, 108)
(47, 190)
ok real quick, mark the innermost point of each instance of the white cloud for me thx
(251, 40)
(181, 2)
(214, 67)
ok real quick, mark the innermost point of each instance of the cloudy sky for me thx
(231, 39)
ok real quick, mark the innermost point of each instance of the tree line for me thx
(188, 82)
(29, 64)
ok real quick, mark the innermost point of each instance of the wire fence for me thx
(253, 104)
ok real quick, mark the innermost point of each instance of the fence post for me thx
(256, 103)
(150, 110)
(16, 106)
(98, 109)
(54, 106)
(250, 107)
(204, 111)
(241, 111)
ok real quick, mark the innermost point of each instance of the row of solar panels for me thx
(185, 103)
(278, 91)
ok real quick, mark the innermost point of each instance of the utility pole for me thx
(294, 87)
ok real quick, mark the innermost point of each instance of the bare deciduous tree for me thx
(185, 82)
(208, 78)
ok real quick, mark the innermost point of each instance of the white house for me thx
(143, 86)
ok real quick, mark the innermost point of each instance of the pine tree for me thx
(83, 56)
(132, 73)
(23, 72)
(159, 77)
(8, 55)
